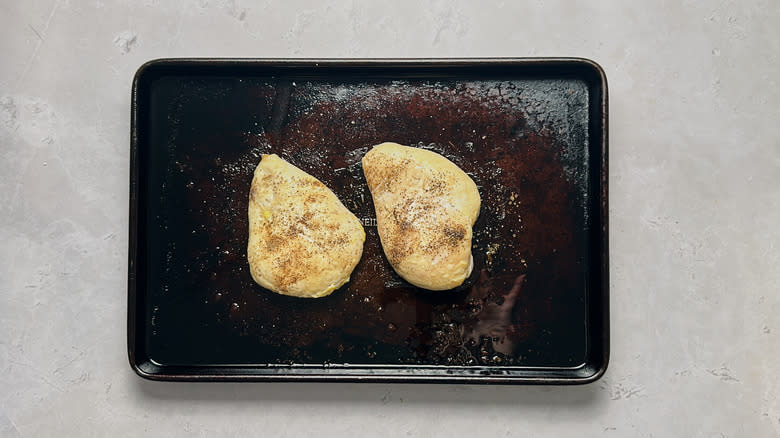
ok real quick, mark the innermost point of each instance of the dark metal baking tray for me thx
(532, 133)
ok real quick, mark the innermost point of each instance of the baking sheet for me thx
(531, 133)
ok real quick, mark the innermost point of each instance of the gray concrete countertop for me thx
(694, 211)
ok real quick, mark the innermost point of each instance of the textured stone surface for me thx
(695, 203)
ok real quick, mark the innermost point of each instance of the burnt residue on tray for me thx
(522, 141)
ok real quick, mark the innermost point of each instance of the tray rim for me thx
(588, 372)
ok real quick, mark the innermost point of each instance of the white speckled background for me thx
(694, 211)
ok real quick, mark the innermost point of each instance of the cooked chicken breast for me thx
(303, 241)
(425, 208)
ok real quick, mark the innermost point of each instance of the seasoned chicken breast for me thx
(425, 208)
(303, 241)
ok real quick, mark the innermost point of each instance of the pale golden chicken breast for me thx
(425, 208)
(303, 241)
